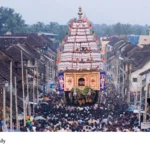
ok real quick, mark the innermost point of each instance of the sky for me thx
(97, 11)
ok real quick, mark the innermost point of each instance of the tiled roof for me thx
(141, 57)
(30, 50)
(15, 53)
(128, 49)
(6, 41)
(36, 41)
(113, 41)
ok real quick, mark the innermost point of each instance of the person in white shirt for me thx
(34, 129)
(105, 120)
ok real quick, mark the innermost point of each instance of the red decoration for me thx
(104, 59)
(58, 61)
(70, 80)
(67, 89)
(93, 80)
(70, 27)
(63, 42)
(90, 25)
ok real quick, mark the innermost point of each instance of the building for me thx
(139, 40)
(119, 64)
(144, 93)
(39, 67)
(125, 62)
(103, 42)
(140, 64)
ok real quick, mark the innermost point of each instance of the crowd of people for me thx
(109, 115)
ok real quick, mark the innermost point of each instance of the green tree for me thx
(11, 21)
(38, 27)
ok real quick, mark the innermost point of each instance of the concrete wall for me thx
(134, 85)
(103, 44)
(144, 40)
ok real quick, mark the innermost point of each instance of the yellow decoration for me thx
(88, 77)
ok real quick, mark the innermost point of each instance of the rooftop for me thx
(141, 57)
(113, 41)
(145, 72)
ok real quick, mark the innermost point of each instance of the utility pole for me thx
(24, 106)
(33, 89)
(106, 57)
(140, 101)
(135, 100)
(55, 68)
(11, 128)
(37, 84)
(16, 104)
(44, 81)
(123, 84)
(4, 107)
(129, 80)
(117, 74)
(28, 103)
(146, 91)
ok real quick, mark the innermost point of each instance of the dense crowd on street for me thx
(109, 115)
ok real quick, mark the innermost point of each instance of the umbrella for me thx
(130, 109)
(39, 118)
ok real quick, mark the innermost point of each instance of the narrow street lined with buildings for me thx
(82, 85)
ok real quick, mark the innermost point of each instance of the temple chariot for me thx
(79, 63)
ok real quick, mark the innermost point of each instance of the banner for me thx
(69, 82)
(102, 81)
(61, 81)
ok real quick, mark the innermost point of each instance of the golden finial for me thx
(80, 13)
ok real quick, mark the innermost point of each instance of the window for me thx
(134, 79)
(81, 82)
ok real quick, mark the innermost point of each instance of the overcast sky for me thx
(98, 11)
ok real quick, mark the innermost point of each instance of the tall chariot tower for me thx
(79, 62)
